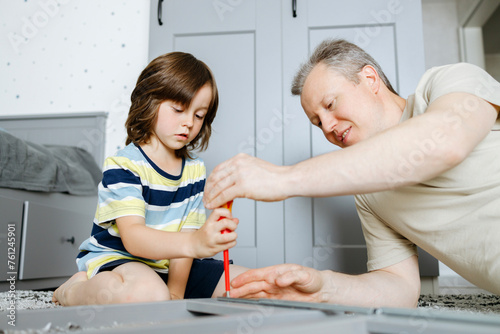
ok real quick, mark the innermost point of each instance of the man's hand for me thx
(208, 240)
(283, 281)
(394, 286)
(244, 176)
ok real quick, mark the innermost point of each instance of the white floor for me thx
(450, 283)
(456, 285)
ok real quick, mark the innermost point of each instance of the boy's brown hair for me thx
(175, 76)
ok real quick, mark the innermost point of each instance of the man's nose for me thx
(328, 124)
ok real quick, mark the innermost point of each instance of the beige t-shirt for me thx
(456, 216)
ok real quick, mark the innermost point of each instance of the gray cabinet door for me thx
(325, 233)
(240, 42)
(11, 215)
(53, 233)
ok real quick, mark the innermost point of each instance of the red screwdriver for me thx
(228, 205)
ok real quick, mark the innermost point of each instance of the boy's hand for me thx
(208, 240)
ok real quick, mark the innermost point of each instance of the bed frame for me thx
(40, 232)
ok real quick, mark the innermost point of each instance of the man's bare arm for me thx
(411, 152)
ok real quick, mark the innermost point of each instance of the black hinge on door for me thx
(294, 8)
(160, 11)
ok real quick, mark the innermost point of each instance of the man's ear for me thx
(369, 73)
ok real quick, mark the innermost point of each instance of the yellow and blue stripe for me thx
(132, 184)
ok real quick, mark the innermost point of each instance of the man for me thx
(425, 171)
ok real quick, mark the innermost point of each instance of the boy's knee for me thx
(236, 270)
(143, 293)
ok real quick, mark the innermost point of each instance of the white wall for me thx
(69, 56)
(441, 46)
(440, 24)
(493, 65)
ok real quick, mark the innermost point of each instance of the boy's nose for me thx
(188, 121)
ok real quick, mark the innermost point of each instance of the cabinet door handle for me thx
(160, 11)
(71, 240)
(294, 8)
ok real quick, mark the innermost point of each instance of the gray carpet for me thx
(28, 300)
(481, 303)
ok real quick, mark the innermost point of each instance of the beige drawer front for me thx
(51, 237)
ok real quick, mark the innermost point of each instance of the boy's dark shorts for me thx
(203, 278)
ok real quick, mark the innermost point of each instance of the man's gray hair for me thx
(346, 58)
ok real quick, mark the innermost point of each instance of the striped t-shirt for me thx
(133, 184)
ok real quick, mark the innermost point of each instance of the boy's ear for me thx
(369, 73)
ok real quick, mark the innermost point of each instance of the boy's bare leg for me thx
(59, 296)
(220, 289)
(131, 282)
